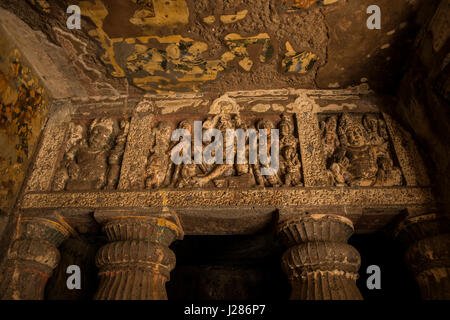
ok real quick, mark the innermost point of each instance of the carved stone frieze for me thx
(253, 197)
(335, 150)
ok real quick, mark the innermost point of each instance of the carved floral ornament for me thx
(356, 150)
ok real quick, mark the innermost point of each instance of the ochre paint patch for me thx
(22, 109)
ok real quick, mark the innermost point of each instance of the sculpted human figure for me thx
(372, 125)
(222, 122)
(287, 138)
(88, 167)
(363, 158)
(115, 157)
(242, 168)
(265, 180)
(158, 164)
(75, 140)
(184, 173)
(355, 162)
(388, 175)
(291, 167)
(330, 140)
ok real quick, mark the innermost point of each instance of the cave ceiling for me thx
(216, 46)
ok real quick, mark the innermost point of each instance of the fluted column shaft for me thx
(32, 258)
(319, 263)
(136, 263)
(427, 238)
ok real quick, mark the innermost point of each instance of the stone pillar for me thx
(32, 258)
(136, 263)
(427, 238)
(319, 263)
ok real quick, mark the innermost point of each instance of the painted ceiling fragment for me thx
(230, 18)
(178, 64)
(238, 46)
(303, 4)
(159, 63)
(156, 14)
(22, 112)
(125, 45)
(300, 62)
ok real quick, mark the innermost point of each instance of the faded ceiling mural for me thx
(23, 107)
(183, 45)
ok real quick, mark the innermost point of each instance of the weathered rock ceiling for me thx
(219, 45)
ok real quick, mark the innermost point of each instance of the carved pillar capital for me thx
(32, 258)
(319, 263)
(136, 263)
(427, 238)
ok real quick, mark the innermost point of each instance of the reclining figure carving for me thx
(161, 172)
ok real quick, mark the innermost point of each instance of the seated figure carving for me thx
(184, 173)
(330, 140)
(93, 162)
(77, 132)
(363, 158)
(272, 180)
(290, 165)
(161, 172)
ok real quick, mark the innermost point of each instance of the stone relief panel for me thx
(358, 151)
(161, 172)
(92, 155)
(334, 135)
(319, 146)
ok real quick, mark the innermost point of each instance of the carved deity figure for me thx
(287, 138)
(376, 132)
(359, 161)
(185, 173)
(270, 180)
(217, 172)
(93, 162)
(330, 140)
(162, 172)
(388, 174)
(158, 163)
(290, 165)
(115, 157)
(76, 138)
(242, 168)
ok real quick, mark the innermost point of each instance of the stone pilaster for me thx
(427, 238)
(32, 258)
(319, 263)
(136, 263)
